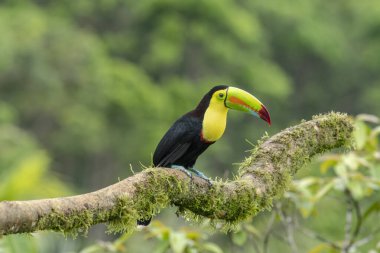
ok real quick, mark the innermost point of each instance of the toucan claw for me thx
(181, 168)
(196, 172)
(201, 175)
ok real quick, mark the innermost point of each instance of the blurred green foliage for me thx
(176, 241)
(87, 88)
(24, 167)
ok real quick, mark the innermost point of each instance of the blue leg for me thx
(181, 168)
(201, 175)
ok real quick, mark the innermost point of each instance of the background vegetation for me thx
(87, 89)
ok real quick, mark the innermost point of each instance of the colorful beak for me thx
(238, 99)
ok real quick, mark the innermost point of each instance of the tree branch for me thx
(264, 175)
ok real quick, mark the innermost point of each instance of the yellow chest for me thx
(214, 122)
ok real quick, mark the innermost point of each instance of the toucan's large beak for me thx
(238, 99)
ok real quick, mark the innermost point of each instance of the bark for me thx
(263, 176)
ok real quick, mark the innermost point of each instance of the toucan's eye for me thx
(221, 95)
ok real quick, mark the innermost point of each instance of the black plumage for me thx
(182, 143)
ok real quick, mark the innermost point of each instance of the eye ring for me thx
(221, 95)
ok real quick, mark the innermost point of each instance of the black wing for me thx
(177, 141)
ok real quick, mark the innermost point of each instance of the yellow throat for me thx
(214, 120)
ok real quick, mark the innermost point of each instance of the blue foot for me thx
(201, 175)
(181, 168)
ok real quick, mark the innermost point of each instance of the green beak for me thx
(240, 100)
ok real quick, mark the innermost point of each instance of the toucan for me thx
(196, 130)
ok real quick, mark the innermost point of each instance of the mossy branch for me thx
(263, 176)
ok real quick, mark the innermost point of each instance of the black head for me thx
(204, 103)
(216, 88)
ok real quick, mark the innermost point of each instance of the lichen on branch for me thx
(263, 176)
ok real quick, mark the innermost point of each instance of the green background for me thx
(88, 88)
